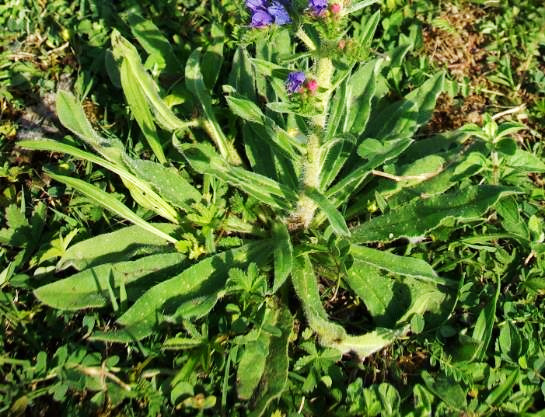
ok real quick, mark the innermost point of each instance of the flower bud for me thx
(312, 85)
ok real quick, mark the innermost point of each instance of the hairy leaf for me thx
(91, 287)
(419, 217)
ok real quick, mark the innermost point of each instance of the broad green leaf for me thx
(403, 118)
(197, 286)
(150, 199)
(336, 219)
(253, 362)
(109, 202)
(446, 389)
(252, 365)
(360, 92)
(72, 116)
(525, 161)
(417, 218)
(336, 112)
(289, 108)
(392, 300)
(195, 83)
(402, 265)
(245, 108)
(205, 160)
(136, 99)
(90, 288)
(121, 245)
(275, 376)
(385, 299)
(283, 255)
(167, 182)
(242, 74)
(364, 36)
(306, 287)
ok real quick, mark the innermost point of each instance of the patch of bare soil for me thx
(453, 41)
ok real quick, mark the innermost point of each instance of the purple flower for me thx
(278, 11)
(317, 7)
(261, 18)
(255, 5)
(295, 81)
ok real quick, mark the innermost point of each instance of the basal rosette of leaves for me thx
(319, 143)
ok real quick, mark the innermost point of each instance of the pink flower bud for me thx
(312, 85)
(342, 44)
(335, 8)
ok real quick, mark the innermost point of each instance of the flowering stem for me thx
(311, 178)
(324, 74)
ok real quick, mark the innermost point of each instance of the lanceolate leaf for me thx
(121, 245)
(198, 284)
(91, 287)
(358, 5)
(417, 218)
(342, 191)
(204, 160)
(252, 365)
(392, 299)
(269, 130)
(402, 265)
(332, 334)
(195, 83)
(283, 254)
(335, 153)
(136, 100)
(150, 198)
(336, 219)
(254, 357)
(167, 182)
(109, 202)
(360, 92)
(163, 114)
(274, 379)
(403, 118)
(73, 117)
(482, 332)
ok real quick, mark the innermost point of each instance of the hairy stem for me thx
(304, 212)
(311, 178)
(324, 74)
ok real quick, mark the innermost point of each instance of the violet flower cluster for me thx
(265, 13)
(295, 81)
(317, 7)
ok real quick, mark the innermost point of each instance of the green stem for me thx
(324, 75)
(311, 178)
(306, 207)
